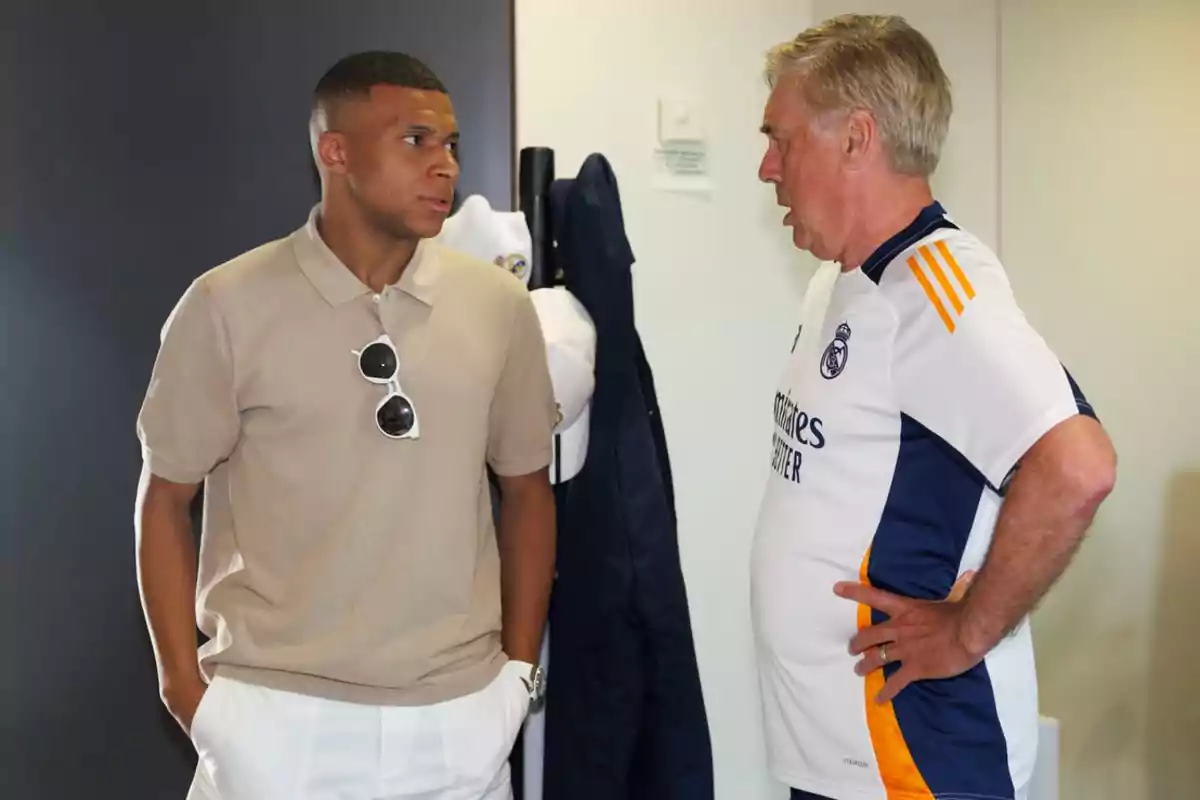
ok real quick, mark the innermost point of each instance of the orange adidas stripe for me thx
(902, 780)
(941, 278)
(933, 296)
(958, 273)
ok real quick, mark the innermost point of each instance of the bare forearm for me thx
(1034, 541)
(527, 547)
(1050, 505)
(166, 565)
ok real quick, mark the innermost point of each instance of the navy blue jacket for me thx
(625, 716)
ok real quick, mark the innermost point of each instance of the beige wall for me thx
(1078, 167)
(1099, 176)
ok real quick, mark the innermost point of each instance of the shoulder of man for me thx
(463, 271)
(946, 281)
(260, 267)
(222, 289)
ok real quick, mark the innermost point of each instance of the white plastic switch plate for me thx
(679, 121)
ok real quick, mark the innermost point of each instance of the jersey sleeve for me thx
(967, 364)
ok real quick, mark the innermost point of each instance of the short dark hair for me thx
(354, 75)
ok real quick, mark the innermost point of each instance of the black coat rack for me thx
(536, 170)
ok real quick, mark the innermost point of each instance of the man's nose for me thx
(447, 167)
(768, 171)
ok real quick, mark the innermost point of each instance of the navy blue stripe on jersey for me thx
(931, 218)
(1081, 401)
(951, 727)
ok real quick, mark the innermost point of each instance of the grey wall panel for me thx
(142, 143)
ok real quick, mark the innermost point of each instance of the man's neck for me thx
(882, 215)
(376, 259)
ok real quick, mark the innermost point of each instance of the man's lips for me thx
(439, 204)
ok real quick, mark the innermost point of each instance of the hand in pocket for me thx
(522, 691)
(182, 698)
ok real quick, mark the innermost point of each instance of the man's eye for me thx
(413, 138)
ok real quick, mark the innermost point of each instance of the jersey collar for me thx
(931, 218)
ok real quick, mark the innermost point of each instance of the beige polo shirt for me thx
(336, 561)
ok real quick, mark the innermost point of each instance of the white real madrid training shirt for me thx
(896, 430)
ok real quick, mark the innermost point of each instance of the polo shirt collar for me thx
(337, 284)
(931, 218)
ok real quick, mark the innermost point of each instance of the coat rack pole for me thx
(536, 174)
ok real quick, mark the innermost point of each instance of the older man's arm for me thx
(1049, 506)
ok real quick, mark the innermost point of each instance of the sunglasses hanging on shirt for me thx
(395, 415)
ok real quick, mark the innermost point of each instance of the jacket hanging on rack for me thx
(625, 716)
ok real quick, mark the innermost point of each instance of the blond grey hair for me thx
(880, 64)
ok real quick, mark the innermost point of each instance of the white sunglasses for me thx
(395, 416)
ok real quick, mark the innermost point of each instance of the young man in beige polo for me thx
(341, 393)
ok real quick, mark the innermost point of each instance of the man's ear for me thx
(860, 137)
(331, 151)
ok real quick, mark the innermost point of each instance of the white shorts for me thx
(263, 744)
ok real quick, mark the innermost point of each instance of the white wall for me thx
(717, 284)
(1101, 116)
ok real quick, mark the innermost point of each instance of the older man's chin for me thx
(800, 237)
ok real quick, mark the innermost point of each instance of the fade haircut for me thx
(353, 76)
(883, 65)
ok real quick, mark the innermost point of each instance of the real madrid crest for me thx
(514, 263)
(833, 360)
